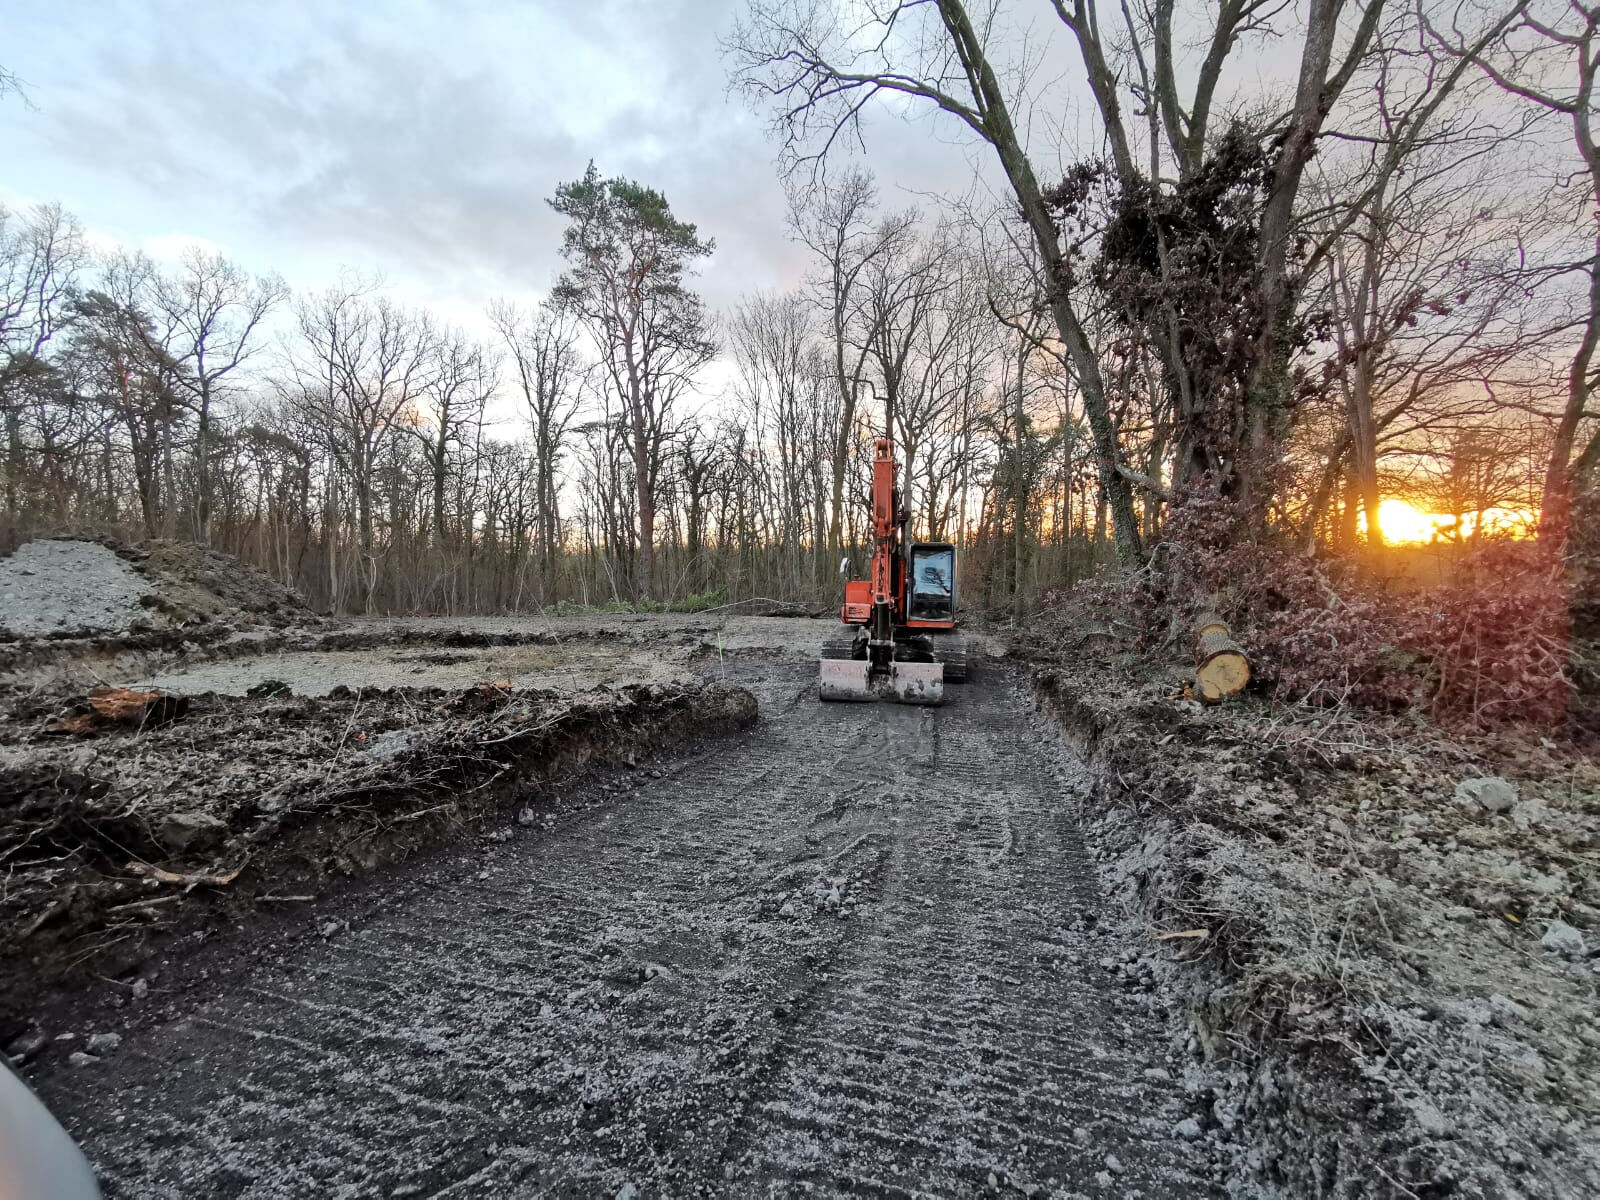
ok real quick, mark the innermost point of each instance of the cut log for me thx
(1221, 668)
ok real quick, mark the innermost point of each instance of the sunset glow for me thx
(1404, 522)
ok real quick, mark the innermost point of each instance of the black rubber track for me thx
(833, 956)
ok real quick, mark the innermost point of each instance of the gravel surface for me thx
(573, 666)
(852, 952)
(66, 587)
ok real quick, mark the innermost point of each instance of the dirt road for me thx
(852, 952)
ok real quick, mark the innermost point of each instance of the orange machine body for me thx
(886, 590)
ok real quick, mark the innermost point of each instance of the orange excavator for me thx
(901, 642)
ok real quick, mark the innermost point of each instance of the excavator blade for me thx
(845, 679)
(905, 682)
(916, 683)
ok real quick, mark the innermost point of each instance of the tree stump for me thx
(1221, 668)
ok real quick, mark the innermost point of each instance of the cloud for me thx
(174, 247)
(419, 138)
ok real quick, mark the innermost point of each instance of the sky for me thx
(416, 138)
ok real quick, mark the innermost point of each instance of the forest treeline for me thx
(1272, 303)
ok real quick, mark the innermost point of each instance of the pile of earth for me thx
(71, 587)
(1385, 935)
(130, 819)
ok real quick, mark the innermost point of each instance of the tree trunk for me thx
(1221, 668)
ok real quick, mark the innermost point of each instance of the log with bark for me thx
(1221, 668)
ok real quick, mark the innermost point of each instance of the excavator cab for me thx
(931, 586)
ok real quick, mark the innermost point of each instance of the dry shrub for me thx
(1500, 644)
(1491, 650)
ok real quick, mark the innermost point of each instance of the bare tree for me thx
(1547, 54)
(41, 257)
(549, 372)
(820, 66)
(215, 312)
(357, 366)
(838, 223)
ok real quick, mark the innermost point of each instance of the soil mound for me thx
(118, 835)
(196, 584)
(70, 587)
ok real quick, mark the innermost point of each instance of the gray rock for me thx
(183, 832)
(1506, 1010)
(1490, 792)
(141, 989)
(79, 1059)
(101, 1043)
(1188, 1129)
(24, 1046)
(1561, 938)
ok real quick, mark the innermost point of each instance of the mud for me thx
(857, 950)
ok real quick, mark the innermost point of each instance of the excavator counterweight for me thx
(899, 641)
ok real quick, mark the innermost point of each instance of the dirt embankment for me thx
(75, 588)
(116, 838)
(1388, 945)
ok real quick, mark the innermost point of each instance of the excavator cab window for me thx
(933, 583)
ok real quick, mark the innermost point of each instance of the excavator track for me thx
(956, 657)
(839, 647)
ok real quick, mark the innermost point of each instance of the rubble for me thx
(1489, 792)
(1369, 912)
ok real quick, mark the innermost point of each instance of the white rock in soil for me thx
(1113, 1164)
(79, 1059)
(140, 989)
(1561, 938)
(1506, 1009)
(1188, 1129)
(1490, 792)
(100, 1043)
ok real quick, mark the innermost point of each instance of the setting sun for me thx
(1404, 522)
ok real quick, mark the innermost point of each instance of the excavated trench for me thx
(856, 950)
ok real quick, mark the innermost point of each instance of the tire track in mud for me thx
(832, 956)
